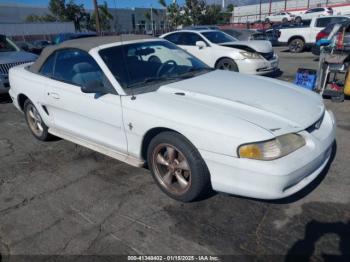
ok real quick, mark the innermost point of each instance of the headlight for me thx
(250, 55)
(272, 149)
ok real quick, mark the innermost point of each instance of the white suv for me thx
(314, 12)
(283, 17)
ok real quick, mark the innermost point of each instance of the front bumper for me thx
(278, 178)
(4, 84)
(258, 66)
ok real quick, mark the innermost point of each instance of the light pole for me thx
(270, 5)
(260, 11)
(97, 17)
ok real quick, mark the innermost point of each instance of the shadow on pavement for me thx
(5, 99)
(304, 249)
(275, 74)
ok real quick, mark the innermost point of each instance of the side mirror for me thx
(201, 44)
(95, 87)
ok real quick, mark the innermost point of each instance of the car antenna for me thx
(133, 97)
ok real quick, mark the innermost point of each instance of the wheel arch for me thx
(21, 99)
(150, 134)
(225, 57)
(296, 37)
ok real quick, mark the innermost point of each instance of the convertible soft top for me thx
(85, 44)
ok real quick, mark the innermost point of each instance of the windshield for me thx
(218, 37)
(150, 63)
(6, 45)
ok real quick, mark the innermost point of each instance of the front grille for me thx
(268, 56)
(4, 68)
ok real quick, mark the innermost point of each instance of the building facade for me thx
(131, 20)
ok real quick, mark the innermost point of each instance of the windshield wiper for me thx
(193, 71)
(148, 80)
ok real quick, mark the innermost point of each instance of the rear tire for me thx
(177, 167)
(298, 19)
(284, 20)
(267, 21)
(297, 45)
(227, 64)
(35, 123)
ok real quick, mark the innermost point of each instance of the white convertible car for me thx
(148, 103)
(222, 51)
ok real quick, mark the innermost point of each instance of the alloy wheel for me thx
(171, 169)
(296, 46)
(34, 120)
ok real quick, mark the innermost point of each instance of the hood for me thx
(16, 57)
(260, 46)
(276, 106)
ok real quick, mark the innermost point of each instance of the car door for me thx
(188, 42)
(96, 119)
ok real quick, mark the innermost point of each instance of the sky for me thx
(88, 3)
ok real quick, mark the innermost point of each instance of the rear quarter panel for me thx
(33, 86)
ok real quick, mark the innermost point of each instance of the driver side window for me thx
(76, 67)
(190, 39)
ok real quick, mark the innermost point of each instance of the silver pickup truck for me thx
(10, 55)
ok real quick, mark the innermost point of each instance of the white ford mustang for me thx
(149, 103)
(222, 51)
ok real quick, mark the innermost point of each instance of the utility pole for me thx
(260, 11)
(308, 4)
(270, 5)
(285, 5)
(152, 20)
(97, 17)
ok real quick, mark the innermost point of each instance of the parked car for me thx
(149, 103)
(201, 27)
(28, 47)
(69, 36)
(283, 17)
(222, 51)
(10, 55)
(300, 37)
(245, 34)
(41, 44)
(272, 35)
(313, 13)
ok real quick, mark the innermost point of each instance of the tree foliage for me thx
(62, 12)
(196, 12)
(105, 17)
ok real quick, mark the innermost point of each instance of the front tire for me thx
(35, 122)
(227, 64)
(177, 167)
(297, 45)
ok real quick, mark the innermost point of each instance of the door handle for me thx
(54, 95)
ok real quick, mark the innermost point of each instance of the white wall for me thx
(252, 11)
(24, 29)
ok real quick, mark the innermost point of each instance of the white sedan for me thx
(149, 103)
(222, 51)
